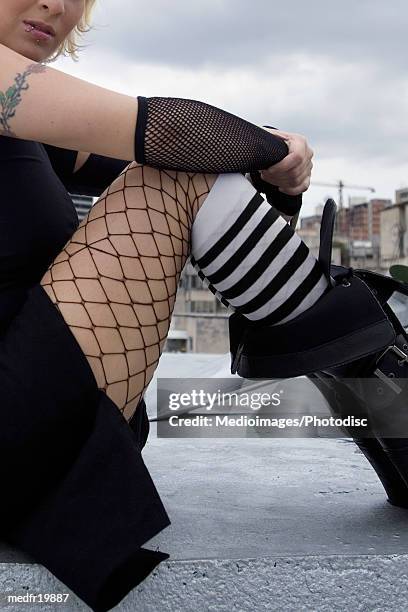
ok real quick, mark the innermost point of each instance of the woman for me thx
(84, 311)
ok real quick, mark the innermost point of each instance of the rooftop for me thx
(258, 523)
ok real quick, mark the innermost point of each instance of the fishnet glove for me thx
(192, 136)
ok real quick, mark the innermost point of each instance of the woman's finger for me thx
(286, 177)
(296, 189)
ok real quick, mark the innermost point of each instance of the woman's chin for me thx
(35, 54)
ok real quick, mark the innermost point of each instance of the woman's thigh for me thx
(115, 281)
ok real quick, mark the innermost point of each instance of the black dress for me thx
(75, 492)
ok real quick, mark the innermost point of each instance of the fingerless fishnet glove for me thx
(192, 136)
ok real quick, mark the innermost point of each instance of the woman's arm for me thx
(42, 104)
(45, 105)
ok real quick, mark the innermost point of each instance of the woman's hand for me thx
(292, 174)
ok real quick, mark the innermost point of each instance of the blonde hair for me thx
(70, 45)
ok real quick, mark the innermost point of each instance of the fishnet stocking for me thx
(115, 281)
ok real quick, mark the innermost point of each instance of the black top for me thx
(37, 215)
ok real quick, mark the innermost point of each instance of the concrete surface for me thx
(258, 524)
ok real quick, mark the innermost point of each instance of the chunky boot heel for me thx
(396, 450)
(391, 479)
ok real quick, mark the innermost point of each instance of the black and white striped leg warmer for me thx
(250, 258)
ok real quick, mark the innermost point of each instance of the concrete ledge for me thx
(313, 583)
(318, 583)
(257, 524)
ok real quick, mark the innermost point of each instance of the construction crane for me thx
(340, 186)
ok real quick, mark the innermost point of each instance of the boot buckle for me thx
(386, 378)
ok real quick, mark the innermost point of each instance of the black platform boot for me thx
(350, 340)
(343, 402)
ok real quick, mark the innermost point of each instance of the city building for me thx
(309, 231)
(394, 240)
(357, 232)
(200, 322)
(365, 220)
(364, 230)
(401, 196)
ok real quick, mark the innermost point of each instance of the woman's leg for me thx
(115, 281)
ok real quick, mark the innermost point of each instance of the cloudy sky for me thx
(334, 71)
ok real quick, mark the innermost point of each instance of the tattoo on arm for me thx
(10, 99)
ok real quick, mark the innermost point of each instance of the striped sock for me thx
(250, 258)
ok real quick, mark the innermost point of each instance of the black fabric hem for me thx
(88, 500)
(126, 576)
(140, 132)
(139, 424)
